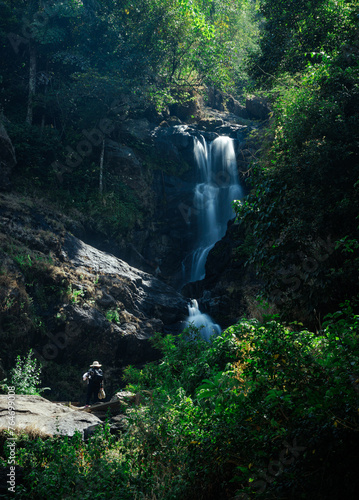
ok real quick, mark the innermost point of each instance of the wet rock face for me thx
(174, 143)
(222, 293)
(210, 124)
(175, 221)
(7, 158)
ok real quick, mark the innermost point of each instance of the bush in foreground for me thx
(261, 411)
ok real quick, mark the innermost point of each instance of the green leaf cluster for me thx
(25, 376)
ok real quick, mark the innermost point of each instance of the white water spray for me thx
(202, 321)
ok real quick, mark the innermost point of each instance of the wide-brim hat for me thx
(95, 364)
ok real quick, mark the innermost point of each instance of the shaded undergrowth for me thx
(263, 410)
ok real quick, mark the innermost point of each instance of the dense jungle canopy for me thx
(64, 64)
(269, 408)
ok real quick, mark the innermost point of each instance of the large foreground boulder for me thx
(38, 415)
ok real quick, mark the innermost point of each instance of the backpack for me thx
(96, 375)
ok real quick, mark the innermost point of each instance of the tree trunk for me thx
(32, 84)
(101, 166)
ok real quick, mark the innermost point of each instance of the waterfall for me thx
(217, 186)
(202, 321)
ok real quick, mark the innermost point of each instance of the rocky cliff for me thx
(74, 293)
(73, 303)
(163, 240)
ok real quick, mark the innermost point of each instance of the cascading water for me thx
(202, 321)
(217, 187)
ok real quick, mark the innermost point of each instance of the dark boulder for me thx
(174, 145)
(138, 129)
(257, 108)
(234, 131)
(187, 109)
(236, 108)
(215, 99)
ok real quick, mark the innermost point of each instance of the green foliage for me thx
(207, 425)
(75, 295)
(43, 281)
(25, 376)
(88, 56)
(293, 30)
(63, 466)
(113, 316)
(301, 214)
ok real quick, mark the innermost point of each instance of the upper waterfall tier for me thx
(218, 185)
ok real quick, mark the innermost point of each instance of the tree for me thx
(293, 29)
(301, 214)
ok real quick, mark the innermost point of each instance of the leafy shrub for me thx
(260, 410)
(25, 376)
